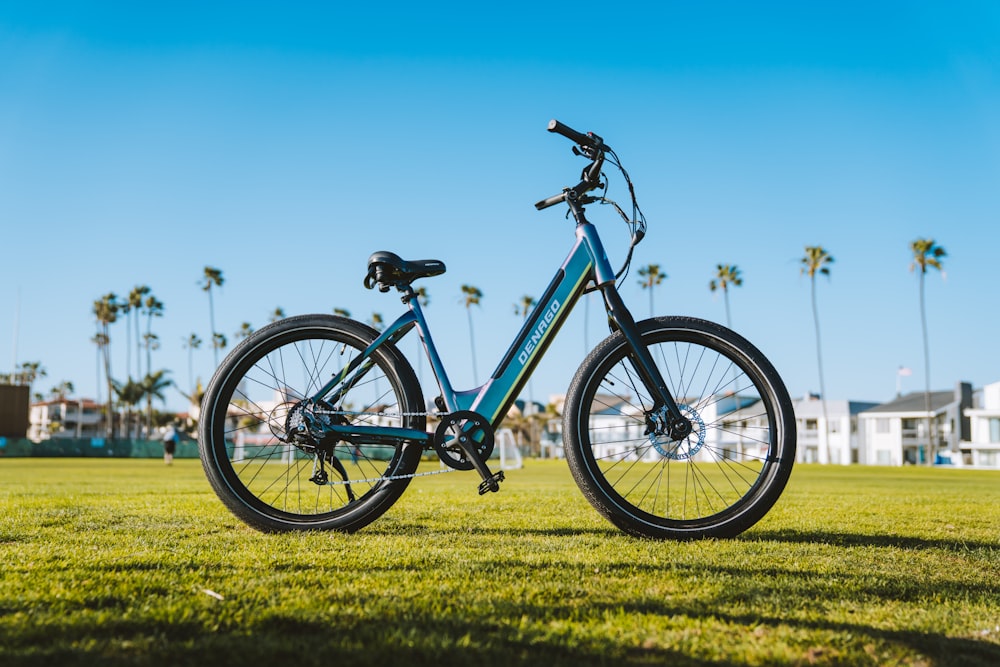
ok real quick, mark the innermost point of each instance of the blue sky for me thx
(285, 142)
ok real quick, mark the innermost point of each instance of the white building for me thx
(896, 433)
(831, 435)
(982, 448)
(65, 418)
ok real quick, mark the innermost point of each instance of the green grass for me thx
(124, 562)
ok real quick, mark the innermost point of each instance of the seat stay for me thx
(358, 367)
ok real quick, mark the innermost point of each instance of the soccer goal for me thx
(506, 447)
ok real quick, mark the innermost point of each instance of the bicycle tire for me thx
(251, 464)
(717, 482)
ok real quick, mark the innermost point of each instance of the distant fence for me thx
(94, 448)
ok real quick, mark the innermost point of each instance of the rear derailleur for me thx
(307, 427)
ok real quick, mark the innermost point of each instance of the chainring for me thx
(460, 426)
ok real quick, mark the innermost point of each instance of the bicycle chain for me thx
(389, 478)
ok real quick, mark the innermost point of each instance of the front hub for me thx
(676, 439)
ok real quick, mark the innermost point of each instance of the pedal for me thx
(491, 484)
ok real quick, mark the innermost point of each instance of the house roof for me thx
(87, 402)
(915, 402)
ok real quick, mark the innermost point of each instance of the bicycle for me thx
(673, 427)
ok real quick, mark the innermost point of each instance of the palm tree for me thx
(376, 322)
(471, 296)
(153, 307)
(192, 343)
(219, 342)
(152, 387)
(132, 308)
(342, 312)
(61, 390)
(926, 253)
(818, 260)
(106, 311)
(27, 372)
(277, 314)
(212, 276)
(245, 330)
(129, 393)
(100, 340)
(726, 275)
(651, 277)
(523, 307)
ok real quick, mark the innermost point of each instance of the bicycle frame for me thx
(587, 261)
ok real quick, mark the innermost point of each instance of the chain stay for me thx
(389, 478)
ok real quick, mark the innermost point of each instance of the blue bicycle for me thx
(673, 427)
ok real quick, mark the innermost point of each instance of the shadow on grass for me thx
(842, 539)
(448, 640)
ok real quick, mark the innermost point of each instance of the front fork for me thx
(674, 424)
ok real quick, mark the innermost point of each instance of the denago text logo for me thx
(539, 331)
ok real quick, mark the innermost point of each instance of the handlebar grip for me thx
(572, 135)
(551, 201)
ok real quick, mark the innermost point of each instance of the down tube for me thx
(496, 396)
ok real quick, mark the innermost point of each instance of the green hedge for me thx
(94, 448)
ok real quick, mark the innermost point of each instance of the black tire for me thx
(718, 481)
(266, 482)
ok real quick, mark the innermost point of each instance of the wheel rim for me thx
(273, 475)
(708, 477)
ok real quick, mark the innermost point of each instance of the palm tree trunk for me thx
(211, 319)
(128, 345)
(472, 345)
(110, 426)
(822, 384)
(927, 376)
(138, 347)
(190, 368)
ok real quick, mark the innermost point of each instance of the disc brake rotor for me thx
(686, 447)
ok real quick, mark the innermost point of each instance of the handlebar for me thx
(593, 147)
(589, 140)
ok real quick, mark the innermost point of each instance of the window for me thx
(882, 425)
(995, 429)
(883, 457)
(812, 425)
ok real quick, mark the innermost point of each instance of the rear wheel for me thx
(256, 421)
(717, 481)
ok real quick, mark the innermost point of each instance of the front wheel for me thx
(717, 481)
(264, 404)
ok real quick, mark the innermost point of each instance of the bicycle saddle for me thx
(387, 269)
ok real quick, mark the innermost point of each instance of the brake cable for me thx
(636, 223)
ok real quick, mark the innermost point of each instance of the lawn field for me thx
(130, 562)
